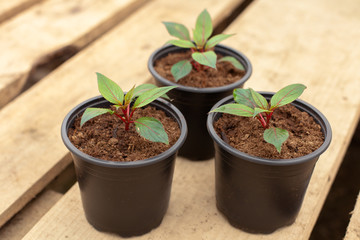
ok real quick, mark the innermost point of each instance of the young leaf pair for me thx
(252, 104)
(148, 127)
(201, 46)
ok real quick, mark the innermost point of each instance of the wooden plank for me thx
(353, 229)
(9, 9)
(23, 188)
(21, 223)
(45, 29)
(32, 121)
(314, 43)
(287, 42)
(18, 226)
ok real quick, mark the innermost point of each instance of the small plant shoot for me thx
(252, 104)
(201, 46)
(148, 127)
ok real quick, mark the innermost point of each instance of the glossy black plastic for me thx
(261, 195)
(195, 103)
(127, 198)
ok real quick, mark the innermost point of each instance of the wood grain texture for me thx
(287, 42)
(35, 34)
(353, 229)
(9, 9)
(314, 43)
(32, 152)
(21, 223)
(28, 163)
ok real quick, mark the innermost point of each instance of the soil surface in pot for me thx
(105, 137)
(246, 134)
(224, 74)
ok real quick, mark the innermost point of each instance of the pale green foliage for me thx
(201, 45)
(148, 127)
(252, 104)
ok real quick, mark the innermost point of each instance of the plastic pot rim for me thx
(154, 57)
(275, 162)
(114, 164)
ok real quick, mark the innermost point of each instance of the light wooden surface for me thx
(28, 162)
(35, 153)
(41, 31)
(22, 223)
(287, 42)
(9, 9)
(312, 42)
(353, 230)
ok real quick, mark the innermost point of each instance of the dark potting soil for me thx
(246, 134)
(105, 137)
(224, 74)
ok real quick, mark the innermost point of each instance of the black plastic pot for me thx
(127, 198)
(195, 103)
(261, 195)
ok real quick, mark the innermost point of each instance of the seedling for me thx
(148, 127)
(201, 46)
(252, 104)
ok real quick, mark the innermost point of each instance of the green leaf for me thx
(149, 96)
(110, 90)
(259, 110)
(203, 28)
(181, 69)
(93, 112)
(129, 96)
(233, 61)
(151, 129)
(181, 43)
(177, 30)
(146, 87)
(235, 109)
(259, 99)
(276, 137)
(243, 96)
(216, 39)
(286, 95)
(205, 58)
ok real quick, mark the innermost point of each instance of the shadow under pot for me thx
(126, 198)
(260, 195)
(195, 103)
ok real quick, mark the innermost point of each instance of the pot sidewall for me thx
(195, 103)
(127, 198)
(261, 195)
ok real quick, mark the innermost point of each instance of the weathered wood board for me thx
(287, 41)
(39, 32)
(27, 162)
(353, 229)
(9, 9)
(314, 43)
(32, 152)
(21, 223)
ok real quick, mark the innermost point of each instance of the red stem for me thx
(126, 118)
(262, 121)
(268, 117)
(196, 65)
(132, 112)
(122, 119)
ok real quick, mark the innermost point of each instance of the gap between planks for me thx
(353, 229)
(23, 221)
(9, 9)
(36, 133)
(73, 26)
(268, 32)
